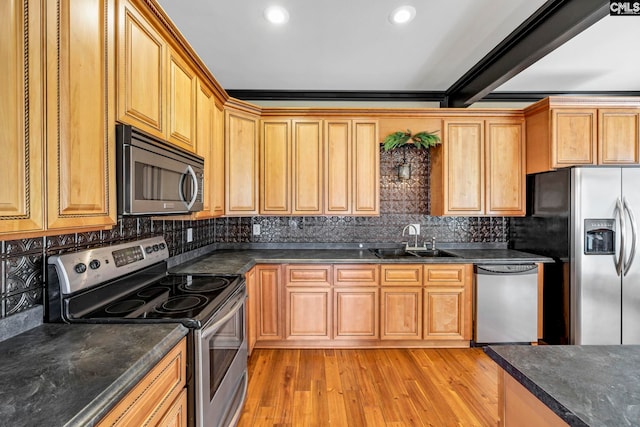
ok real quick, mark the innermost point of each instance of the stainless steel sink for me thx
(432, 253)
(396, 253)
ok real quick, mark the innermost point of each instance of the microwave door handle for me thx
(190, 173)
(632, 252)
(619, 212)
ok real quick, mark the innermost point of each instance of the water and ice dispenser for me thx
(599, 236)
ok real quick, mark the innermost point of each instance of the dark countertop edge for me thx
(182, 266)
(109, 398)
(549, 401)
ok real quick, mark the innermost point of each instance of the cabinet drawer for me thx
(154, 395)
(403, 275)
(307, 275)
(445, 275)
(356, 275)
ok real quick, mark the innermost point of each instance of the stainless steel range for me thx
(129, 283)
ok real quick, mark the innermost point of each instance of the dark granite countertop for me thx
(72, 375)
(239, 261)
(594, 386)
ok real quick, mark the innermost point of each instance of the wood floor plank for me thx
(375, 387)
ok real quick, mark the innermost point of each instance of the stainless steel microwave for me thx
(154, 177)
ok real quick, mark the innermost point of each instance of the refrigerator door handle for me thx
(619, 212)
(634, 226)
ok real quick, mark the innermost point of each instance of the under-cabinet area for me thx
(359, 305)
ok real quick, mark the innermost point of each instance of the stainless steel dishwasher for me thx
(506, 304)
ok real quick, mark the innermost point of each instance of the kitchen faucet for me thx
(415, 230)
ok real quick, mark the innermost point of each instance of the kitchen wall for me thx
(401, 202)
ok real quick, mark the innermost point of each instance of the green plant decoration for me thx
(420, 140)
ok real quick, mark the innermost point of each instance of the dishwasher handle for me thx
(510, 269)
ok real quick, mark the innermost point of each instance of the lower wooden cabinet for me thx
(308, 313)
(444, 313)
(356, 313)
(159, 399)
(269, 319)
(252, 310)
(308, 302)
(401, 313)
(356, 305)
(448, 302)
(517, 407)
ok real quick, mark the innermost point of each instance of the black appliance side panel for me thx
(545, 231)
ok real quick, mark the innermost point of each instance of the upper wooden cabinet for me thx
(291, 167)
(142, 71)
(80, 115)
(156, 85)
(22, 119)
(352, 167)
(479, 168)
(58, 125)
(210, 145)
(181, 122)
(573, 131)
(618, 136)
(241, 163)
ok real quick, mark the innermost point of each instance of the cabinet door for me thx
(448, 301)
(204, 143)
(337, 167)
(181, 129)
(308, 313)
(241, 164)
(217, 167)
(464, 187)
(457, 275)
(401, 313)
(275, 167)
(505, 162)
(21, 127)
(444, 317)
(356, 275)
(307, 167)
(366, 168)
(618, 136)
(80, 121)
(573, 137)
(401, 275)
(269, 323)
(314, 275)
(176, 415)
(252, 309)
(356, 313)
(142, 66)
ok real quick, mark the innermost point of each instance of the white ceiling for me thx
(350, 45)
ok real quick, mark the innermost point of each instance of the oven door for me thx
(221, 365)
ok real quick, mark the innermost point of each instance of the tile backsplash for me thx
(401, 203)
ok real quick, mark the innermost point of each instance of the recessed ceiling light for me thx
(402, 15)
(276, 15)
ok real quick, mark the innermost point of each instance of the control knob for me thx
(94, 264)
(80, 268)
(148, 249)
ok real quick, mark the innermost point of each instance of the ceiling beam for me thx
(554, 23)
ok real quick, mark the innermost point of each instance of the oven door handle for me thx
(211, 329)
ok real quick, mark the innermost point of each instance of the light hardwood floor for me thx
(379, 387)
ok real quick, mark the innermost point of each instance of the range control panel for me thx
(90, 267)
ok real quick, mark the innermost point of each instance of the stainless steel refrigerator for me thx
(585, 217)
